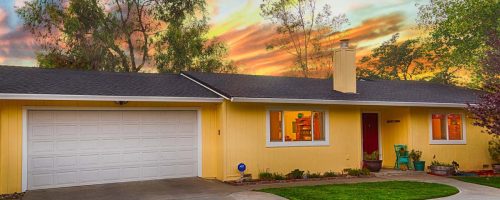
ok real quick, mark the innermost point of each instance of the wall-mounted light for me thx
(121, 103)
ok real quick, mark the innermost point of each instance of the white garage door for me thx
(69, 148)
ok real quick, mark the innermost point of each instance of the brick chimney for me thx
(344, 71)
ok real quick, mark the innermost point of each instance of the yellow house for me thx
(62, 128)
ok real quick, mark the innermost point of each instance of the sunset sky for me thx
(239, 24)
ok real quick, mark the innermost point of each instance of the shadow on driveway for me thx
(183, 188)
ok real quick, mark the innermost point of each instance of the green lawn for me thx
(488, 181)
(372, 190)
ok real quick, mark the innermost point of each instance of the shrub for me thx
(437, 163)
(278, 176)
(494, 149)
(266, 176)
(356, 172)
(415, 155)
(329, 174)
(313, 175)
(373, 156)
(295, 174)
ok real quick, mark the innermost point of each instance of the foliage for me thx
(368, 190)
(313, 175)
(486, 113)
(393, 60)
(437, 163)
(373, 156)
(494, 149)
(295, 174)
(458, 31)
(90, 34)
(266, 176)
(329, 174)
(356, 172)
(304, 31)
(184, 46)
(120, 35)
(488, 181)
(415, 155)
(278, 176)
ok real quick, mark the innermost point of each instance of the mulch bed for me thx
(258, 182)
(12, 196)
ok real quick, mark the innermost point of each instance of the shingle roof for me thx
(251, 86)
(27, 80)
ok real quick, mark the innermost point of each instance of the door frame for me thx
(379, 133)
(25, 109)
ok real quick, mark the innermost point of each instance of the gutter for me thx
(14, 96)
(347, 102)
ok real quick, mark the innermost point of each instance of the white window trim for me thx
(326, 127)
(464, 134)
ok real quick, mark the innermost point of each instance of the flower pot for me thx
(419, 165)
(373, 165)
(442, 170)
(496, 168)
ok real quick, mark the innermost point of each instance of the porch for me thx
(382, 128)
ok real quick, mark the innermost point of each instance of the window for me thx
(447, 128)
(297, 128)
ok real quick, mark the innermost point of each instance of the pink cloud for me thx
(16, 45)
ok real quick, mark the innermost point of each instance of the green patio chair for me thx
(401, 156)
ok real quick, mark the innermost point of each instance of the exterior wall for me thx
(394, 125)
(245, 141)
(471, 156)
(236, 132)
(11, 136)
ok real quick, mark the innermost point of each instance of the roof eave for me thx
(14, 96)
(348, 102)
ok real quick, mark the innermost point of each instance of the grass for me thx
(488, 181)
(370, 190)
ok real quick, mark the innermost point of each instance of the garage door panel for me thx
(65, 116)
(40, 147)
(69, 148)
(65, 178)
(41, 180)
(67, 145)
(42, 163)
(40, 117)
(62, 131)
(88, 144)
(88, 116)
(187, 141)
(41, 131)
(66, 161)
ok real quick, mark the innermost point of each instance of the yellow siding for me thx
(393, 132)
(471, 156)
(11, 135)
(246, 142)
(236, 132)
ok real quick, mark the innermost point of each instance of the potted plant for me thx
(372, 161)
(417, 163)
(442, 169)
(494, 149)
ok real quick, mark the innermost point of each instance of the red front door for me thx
(370, 132)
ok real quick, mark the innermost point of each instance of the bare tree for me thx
(304, 30)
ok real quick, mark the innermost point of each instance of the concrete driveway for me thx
(184, 188)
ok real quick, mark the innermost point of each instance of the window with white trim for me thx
(447, 128)
(297, 128)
